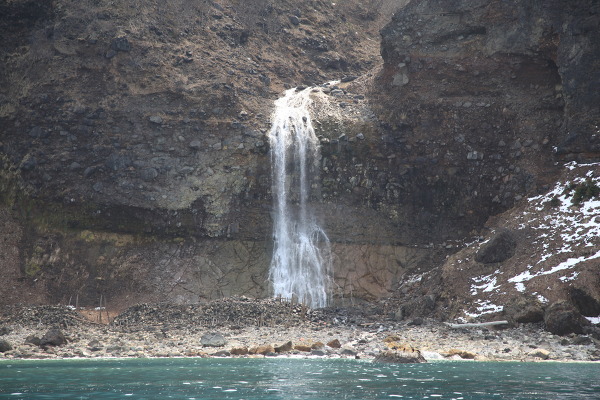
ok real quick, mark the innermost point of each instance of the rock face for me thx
(134, 163)
(133, 148)
(525, 50)
(484, 112)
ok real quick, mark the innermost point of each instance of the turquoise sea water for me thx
(293, 379)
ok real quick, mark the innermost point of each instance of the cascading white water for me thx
(301, 263)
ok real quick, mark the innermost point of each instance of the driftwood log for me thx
(477, 324)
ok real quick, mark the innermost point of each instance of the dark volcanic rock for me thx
(120, 44)
(585, 303)
(563, 318)
(42, 315)
(239, 311)
(5, 346)
(500, 248)
(524, 310)
(34, 340)
(54, 337)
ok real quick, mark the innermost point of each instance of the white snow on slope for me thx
(562, 237)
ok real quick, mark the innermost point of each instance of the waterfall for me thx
(301, 263)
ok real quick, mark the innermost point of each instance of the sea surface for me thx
(280, 378)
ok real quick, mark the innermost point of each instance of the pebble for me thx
(156, 119)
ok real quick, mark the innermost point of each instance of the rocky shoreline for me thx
(270, 328)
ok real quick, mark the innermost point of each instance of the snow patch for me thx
(564, 230)
(485, 307)
(569, 263)
(486, 283)
(594, 320)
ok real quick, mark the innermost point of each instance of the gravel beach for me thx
(243, 327)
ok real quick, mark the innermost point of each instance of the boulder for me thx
(464, 354)
(264, 349)
(195, 144)
(539, 353)
(563, 318)
(334, 344)
(120, 43)
(156, 119)
(148, 174)
(5, 330)
(399, 357)
(419, 305)
(499, 248)
(239, 351)
(34, 340)
(303, 347)
(54, 337)
(284, 348)
(581, 340)
(5, 346)
(95, 345)
(391, 339)
(524, 310)
(213, 339)
(317, 345)
(346, 351)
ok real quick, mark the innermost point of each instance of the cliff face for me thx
(135, 163)
(487, 94)
(539, 50)
(134, 156)
(496, 96)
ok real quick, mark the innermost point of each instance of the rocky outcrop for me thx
(500, 248)
(524, 310)
(562, 318)
(586, 303)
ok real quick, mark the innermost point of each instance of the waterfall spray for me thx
(301, 263)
